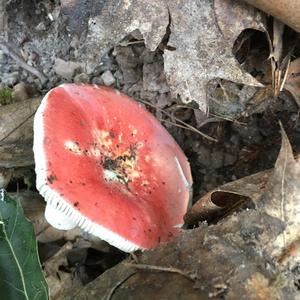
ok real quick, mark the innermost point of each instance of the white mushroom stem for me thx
(58, 218)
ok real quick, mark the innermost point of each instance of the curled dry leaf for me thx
(227, 198)
(287, 11)
(16, 133)
(198, 52)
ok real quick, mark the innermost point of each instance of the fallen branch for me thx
(7, 49)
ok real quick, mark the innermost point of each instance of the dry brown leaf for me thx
(60, 281)
(288, 11)
(201, 52)
(276, 192)
(234, 16)
(222, 261)
(108, 25)
(16, 133)
(281, 198)
(228, 198)
(292, 83)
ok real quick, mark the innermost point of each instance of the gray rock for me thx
(97, 80)
(82, 78)
(66, 69)
(10, 79)
(108, 78)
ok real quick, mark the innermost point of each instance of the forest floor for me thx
(46, 43)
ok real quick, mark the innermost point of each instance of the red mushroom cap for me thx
(107, 165)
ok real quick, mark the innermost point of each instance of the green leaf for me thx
(21, 276)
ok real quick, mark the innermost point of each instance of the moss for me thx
(5, 96)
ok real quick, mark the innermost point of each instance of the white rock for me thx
(108, 78)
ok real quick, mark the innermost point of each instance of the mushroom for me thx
(105, 164)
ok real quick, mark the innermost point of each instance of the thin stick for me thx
(161, 269)
(126, 43)
(187, 126)
(134, 257)
(176, 125)
(17, 127)
(21, 62)
(285, 75)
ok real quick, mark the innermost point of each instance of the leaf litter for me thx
(150, 51)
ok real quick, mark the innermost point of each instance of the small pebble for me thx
(41, 27)
(108, 78)
(97, 80)
(82, 78)
(10, 79)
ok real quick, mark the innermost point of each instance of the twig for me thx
(282, 204)
(117, 285)
(134, 257)
(210, 120)
(17, 127)
(176, 125)
(285, 75)
(187, 126)
(7, 49)
(126, 43)
(161, 269)
(221, 117)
